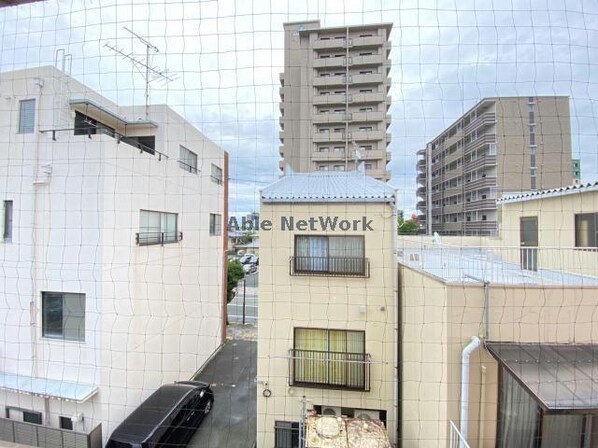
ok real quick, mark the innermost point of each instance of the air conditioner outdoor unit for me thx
(333, 411)
(366, 414)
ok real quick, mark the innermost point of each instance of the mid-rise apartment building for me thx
(501, 145)
(334, 98)
(112, 254)
(326, 326)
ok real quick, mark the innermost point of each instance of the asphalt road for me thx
(232, 422)
(235, 307)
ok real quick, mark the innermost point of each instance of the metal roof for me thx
(560, 377)
(47, 388)
(553, 192)
(353, 186)
(90, 105)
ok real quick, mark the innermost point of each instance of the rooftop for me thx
(551, 193)
(479, 264)
(353, 186)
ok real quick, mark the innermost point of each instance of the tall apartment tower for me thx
(501, 145)
(334, 98)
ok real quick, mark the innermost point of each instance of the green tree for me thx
(409, 227)
(234, 274)
(247, 238)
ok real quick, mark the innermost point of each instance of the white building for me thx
(112, 257)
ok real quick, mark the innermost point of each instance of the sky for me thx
(226, 57)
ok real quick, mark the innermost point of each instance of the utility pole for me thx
(302, 422)
(244, 291)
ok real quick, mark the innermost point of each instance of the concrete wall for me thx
(153, 313)
(324, 302)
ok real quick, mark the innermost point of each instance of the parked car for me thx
(249, 268)
(167, 418)
(248, 258)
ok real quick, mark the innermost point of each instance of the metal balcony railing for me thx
(326, 369)
(330, 266)
(152, 238)
(31, 434)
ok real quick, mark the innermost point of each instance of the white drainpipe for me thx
(467, 351)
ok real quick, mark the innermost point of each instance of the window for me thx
(365, 90)
(187, 159)
(366, 147)
(324, 131)
(323, 168)
(369, 166)
(586, 230)
(365, 72)
(23, 415)
(365, 128)
(532, 138)
(215, 224)
(63, 316)
(216, 174)
(85, 125)
(325, 111)
(323, 149)
(492, 149)
(365, 109)
(339, 130)
(339, 149)
(26, 116)
(334, 358)
(330, 255)
(157, 228)
(339, 167)
(365, 53)
(66, 423)
(145, 143)
(7, 221)
(286, 434)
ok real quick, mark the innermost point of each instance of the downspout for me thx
(481, 432)
(397, 321)
(464, 418)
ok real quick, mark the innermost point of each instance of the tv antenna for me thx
(152, 73)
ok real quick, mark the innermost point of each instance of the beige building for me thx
(334, 98)
(501, 145)
(499, 336)
(326, 325)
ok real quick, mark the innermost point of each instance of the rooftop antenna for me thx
(152, 72)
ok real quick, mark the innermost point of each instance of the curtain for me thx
(311, 253)
(346, 254)
(310, 365)
(563, 431)
(519, 415)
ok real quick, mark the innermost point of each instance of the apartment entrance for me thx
(528, 237)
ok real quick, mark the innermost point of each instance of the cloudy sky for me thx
(227, 54)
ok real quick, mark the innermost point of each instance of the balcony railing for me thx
(325, 369)
(31, 434)
(187, 167)
(330, 266)
(153, 238)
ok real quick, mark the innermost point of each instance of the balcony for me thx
(323, 81)
(366, 135)
(379, 173)
(334, 117)
(281, 136)
(31, 434)
(421, 165)
(326, 137)
(335, 98)
(330, 62)
(281, 93)
(369, 41)
(371, 59)
(453, 191)
(281, 150)
(326, 369)
(371, 78)
(454, 173)
(281, 78)
(450, 158)
(453, 139)
(370, 116)
(421, 192)
(421, 205)
(453, 208)
(481, 227)
(480, 142)
(482, 182)
(330, 266)
(323, 44)
(373, 97)
(421, 178)
(480, 204)
(485, 119)
(480, 162)
(330, 156)
(452, 226)
(374, 154)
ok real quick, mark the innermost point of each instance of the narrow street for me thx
(249, 293)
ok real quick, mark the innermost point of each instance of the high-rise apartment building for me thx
(501, 145)
(334, 98)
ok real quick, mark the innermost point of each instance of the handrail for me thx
(119, 137)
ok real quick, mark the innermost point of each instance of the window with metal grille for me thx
(26, 116)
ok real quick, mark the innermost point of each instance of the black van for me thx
(168, 418)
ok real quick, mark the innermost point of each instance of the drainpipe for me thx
(481, 433)
(464, 419)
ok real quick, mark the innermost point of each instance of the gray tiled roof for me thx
(553, 192)
(328, 187)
